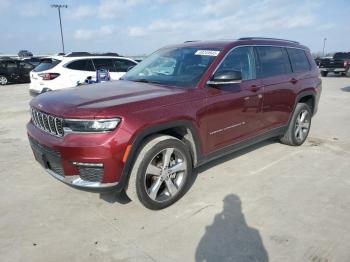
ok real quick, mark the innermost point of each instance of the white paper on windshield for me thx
(207, 52)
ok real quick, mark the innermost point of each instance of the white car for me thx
(58, 72)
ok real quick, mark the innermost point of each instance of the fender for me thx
(153, 130)
(300, 96)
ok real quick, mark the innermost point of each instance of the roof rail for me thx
(268, 38)
(77, 54)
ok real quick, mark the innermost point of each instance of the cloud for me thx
(229, 21)
(86, 34)
(217, 8)
(107, 9)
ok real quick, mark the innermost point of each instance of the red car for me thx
(181, 107)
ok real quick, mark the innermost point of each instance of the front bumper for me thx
(91, 162)
(77, 182)
(340, 70)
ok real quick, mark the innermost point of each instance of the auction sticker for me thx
(207, 52)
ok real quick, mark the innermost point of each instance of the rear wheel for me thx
(299, 126)
(160, 173)
(3, 80)
(324, 73)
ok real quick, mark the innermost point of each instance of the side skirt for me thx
(240, 145)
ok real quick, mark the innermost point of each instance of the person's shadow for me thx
(229, 238)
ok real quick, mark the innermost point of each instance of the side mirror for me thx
(225, 77)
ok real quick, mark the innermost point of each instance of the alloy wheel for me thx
(3, 80)
(302, 125)
(165, 174)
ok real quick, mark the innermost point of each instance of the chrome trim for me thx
(42, 121)
(223, 82)
(76, 181)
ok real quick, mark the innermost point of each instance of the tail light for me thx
(346, 63)
(49, 76)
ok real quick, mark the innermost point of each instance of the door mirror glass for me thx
(225, 77)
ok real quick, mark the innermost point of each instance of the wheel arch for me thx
(182, 129)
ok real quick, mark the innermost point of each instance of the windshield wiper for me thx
(142, 80)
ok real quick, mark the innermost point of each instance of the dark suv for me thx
(179, 108)
(14, 71)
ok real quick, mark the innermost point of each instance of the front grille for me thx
(91, 174)
(48, 123)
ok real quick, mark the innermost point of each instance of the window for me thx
(82, 65)
(273, 61)
(105, 63)
(122, 65)
(240, 59)
(299, 61)
(11, 65)
(46, 64)
(25, 65)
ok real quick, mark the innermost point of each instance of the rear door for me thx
(79, 71)
(12, 68)
(107, 64)
(24, 70)
(275, 72)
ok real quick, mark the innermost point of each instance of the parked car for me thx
(35, 61)
(146, 133)
(339, 63)
(60, 72)
(14, 71)
(24, 53)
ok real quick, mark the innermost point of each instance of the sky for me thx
(139, 27)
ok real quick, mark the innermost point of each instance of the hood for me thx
(91, 100)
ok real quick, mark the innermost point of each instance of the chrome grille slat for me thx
(48, 123)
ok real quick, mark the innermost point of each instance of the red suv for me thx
(181, 107)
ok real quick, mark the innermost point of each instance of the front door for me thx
(233, 111)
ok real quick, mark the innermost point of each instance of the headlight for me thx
(93, 125)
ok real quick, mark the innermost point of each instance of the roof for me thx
(229, 43)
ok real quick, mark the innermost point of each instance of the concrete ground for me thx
(270, 202)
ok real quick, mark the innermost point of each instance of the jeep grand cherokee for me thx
(181, 107)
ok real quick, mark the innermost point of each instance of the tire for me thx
(159, 187)
(324, 73)
(3, 80)
(299, 126)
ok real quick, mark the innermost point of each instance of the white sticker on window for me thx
(207, 52)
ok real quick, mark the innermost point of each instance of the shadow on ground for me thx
(122, 198)
(229, 238)
(346, 89)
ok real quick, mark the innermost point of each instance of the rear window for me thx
(82, 65)
(340, 56)
(273, 61)
(46, 64)
(299, 60)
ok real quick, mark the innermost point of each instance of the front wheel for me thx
(160, 173)
(299, 126)
(3, 80)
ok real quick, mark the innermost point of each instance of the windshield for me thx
(173, 66)
(46, 64)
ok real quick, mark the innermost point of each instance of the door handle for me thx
(254, 88)
(293, 81)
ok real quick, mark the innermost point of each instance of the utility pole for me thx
(59, 16)
(324, 45)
